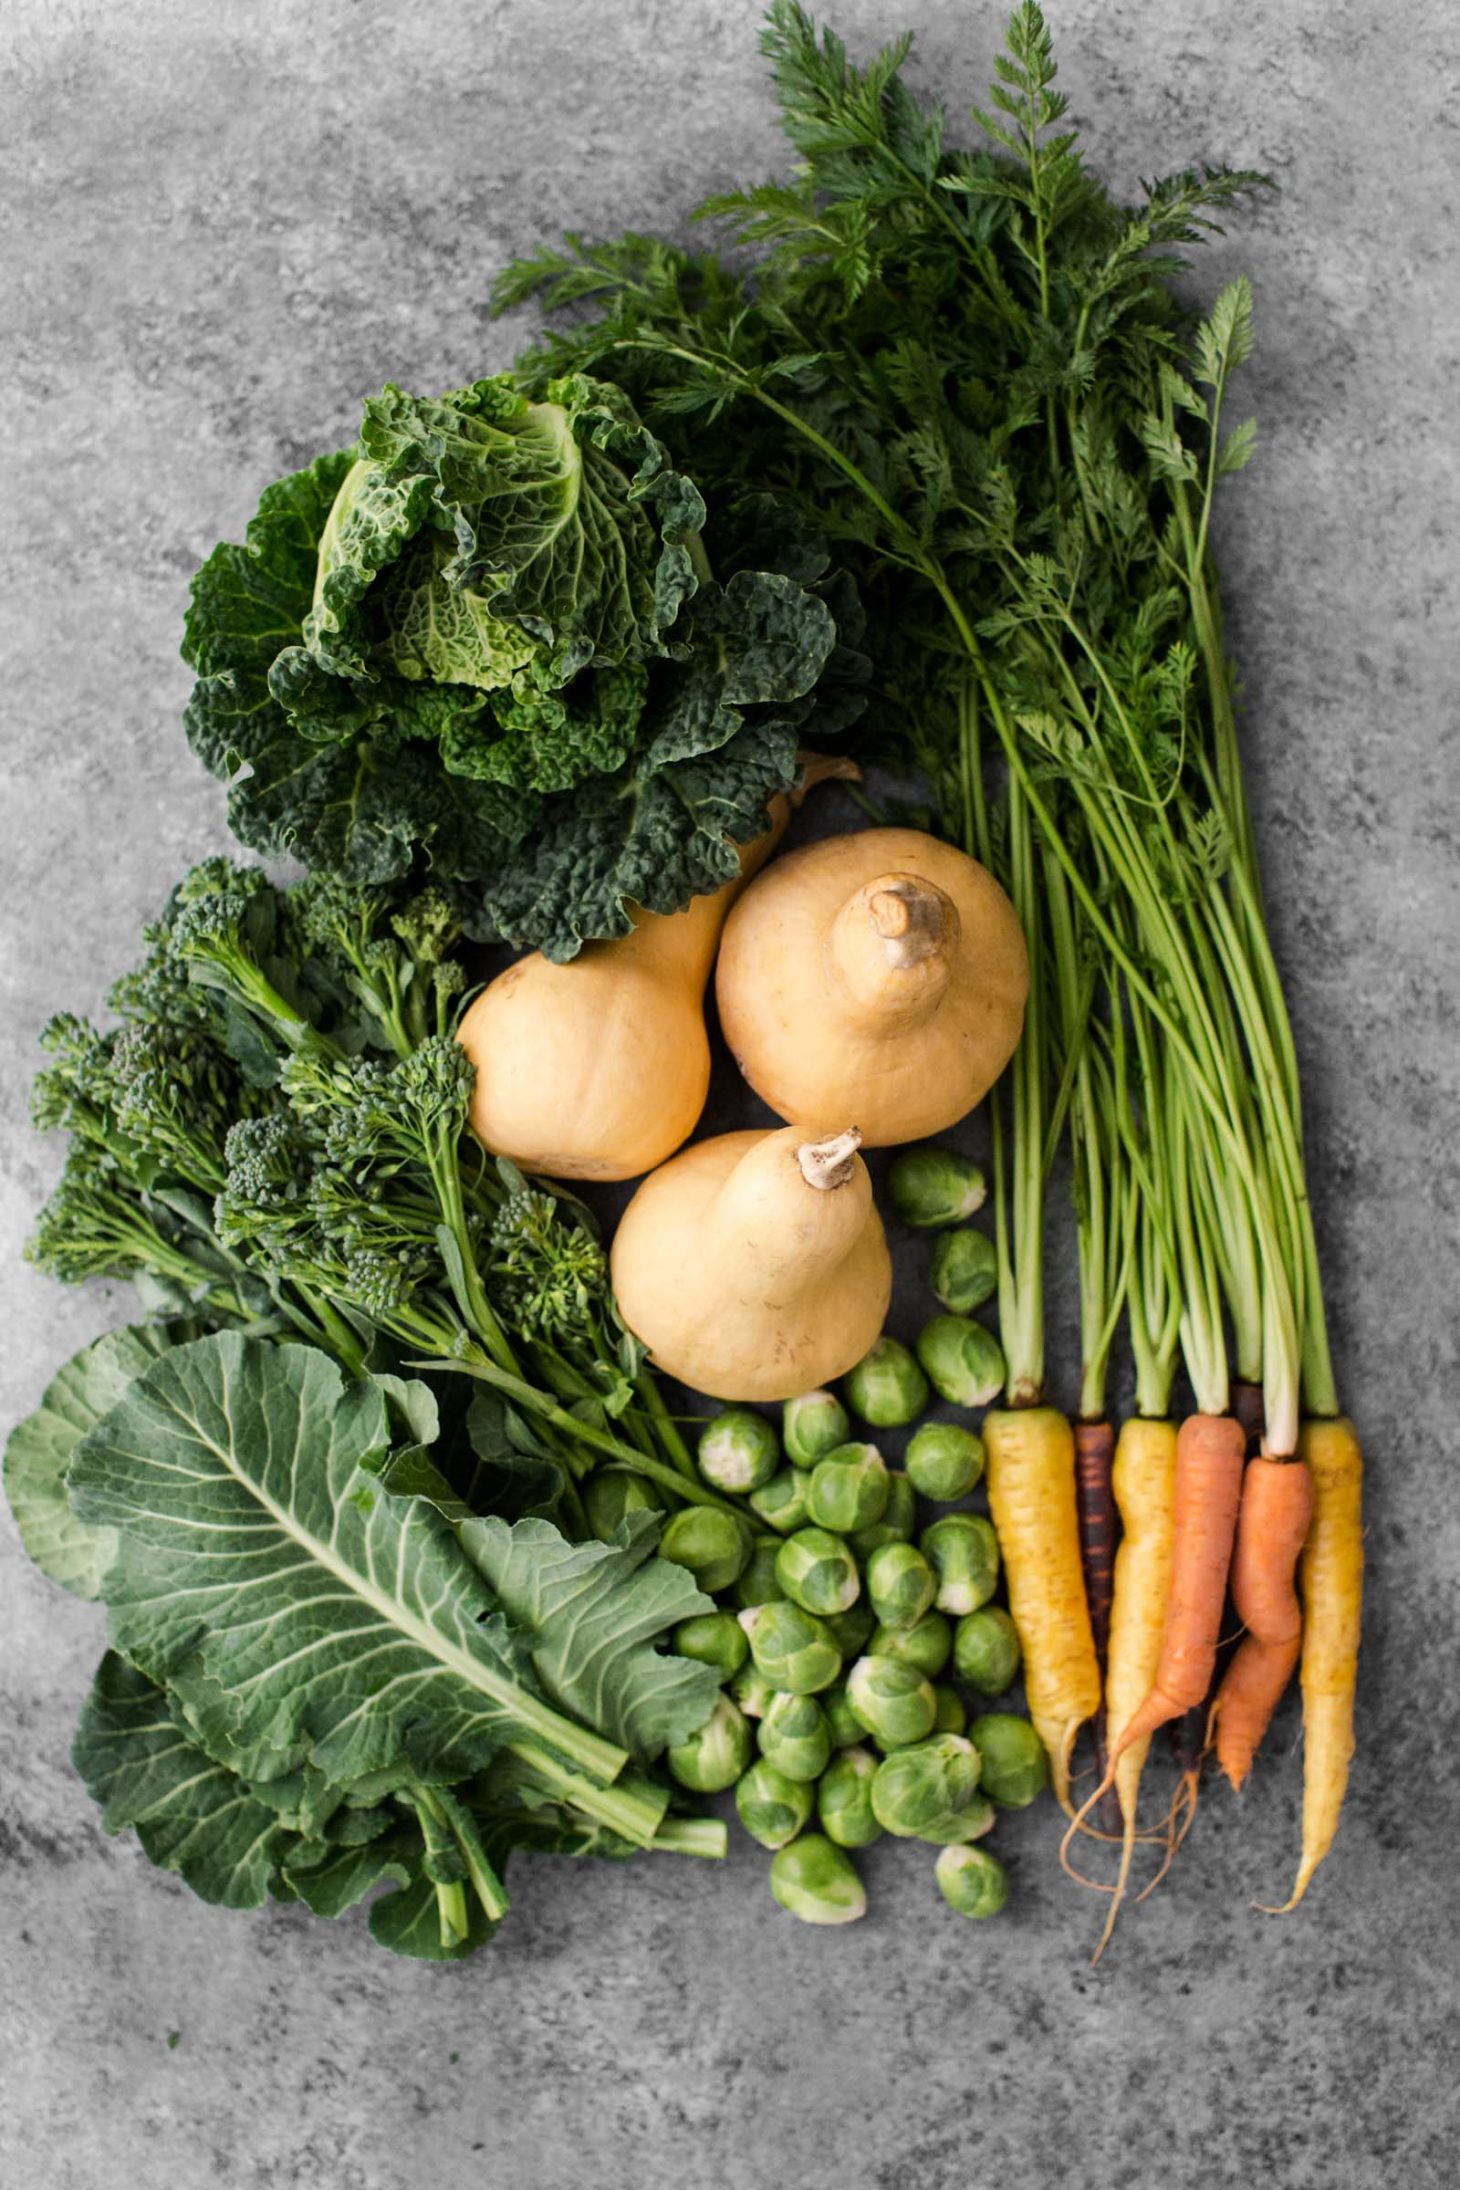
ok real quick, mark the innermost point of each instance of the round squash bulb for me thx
(753, 1266)
(883, 974)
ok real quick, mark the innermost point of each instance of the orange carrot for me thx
(1209, 1449)
(1277, 1504)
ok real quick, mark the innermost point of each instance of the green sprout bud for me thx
(738, 1451)
(887, 1388)
(844, 1799)
(926, 1646)
(848, 1489)
(892, 1702)
(1014, 1766)
(849, 1630)
(952, 1718)
(758, 1584)
(964, 1362)
(972, 1881)
(900, 1583)
(931, 1187)
(899, 1519)
(814, 1880)
(713, 1638)
(750, 1688)
(713, 1544)
(986, 1651)
(970, 1823)
(812, 1426)
(842, 1723)
(791, 1647)
(943, 1461)
(964, 1269)
(781, 1503)
(611, 1494)
(713, 1757)
(816, 1571)
(964, 1553)
(772, 1808)
(795, 1737)
(924, 1788)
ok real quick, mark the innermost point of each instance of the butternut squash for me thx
(882, 973)
(599, 1068)
(753, 1266)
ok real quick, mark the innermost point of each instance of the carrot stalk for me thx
(1277, 1505)
(1208, 1487)
(1332, 1577)
(1031, 1480)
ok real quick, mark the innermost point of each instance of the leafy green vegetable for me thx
(490, 639)
(39, 1450)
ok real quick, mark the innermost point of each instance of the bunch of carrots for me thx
(972, 371)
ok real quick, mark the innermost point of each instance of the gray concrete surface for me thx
(223, 227)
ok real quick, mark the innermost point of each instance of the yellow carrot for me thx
(1332, 1577)
(1144, 1482)
(1031, 1479)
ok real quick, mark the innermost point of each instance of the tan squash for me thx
(753, 1266)
(883, 972)
(598, 1069)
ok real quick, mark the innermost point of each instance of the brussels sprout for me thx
(964, 1362)
(926, 1786)
(849, 1630)
(759, 1584)
(986, 1650)
(898, 1523)
(964, 1269)
(952, 1718)
(887, 1388)
(964, 1552)
(900, 1583)
(781, 1503)
(713, 1757)
(795, 1737)
(970, 1823)
(926, 1646)
(713, 1544)
(814, 1880)
(972, 1881)
(848, 1489)
(751, 1690)
(842, 1723)
(713, 1638)
(816, 1570)
(772, 1808)
(738, 1451)
(1014, 1766)
(893, 1702)
(931, 1187)
(612, 1493)
(844, 1800)
(812, 1426)
(791, 1647)
(943, 1461)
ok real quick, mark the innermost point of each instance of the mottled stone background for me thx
(223, 226)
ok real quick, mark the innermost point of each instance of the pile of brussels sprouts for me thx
(847, 1612)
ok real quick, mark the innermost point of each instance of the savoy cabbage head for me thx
(498, 640)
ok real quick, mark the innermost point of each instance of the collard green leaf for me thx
(593, 1614)
(285, 1596)
(191, 1814)
(68, 1549)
